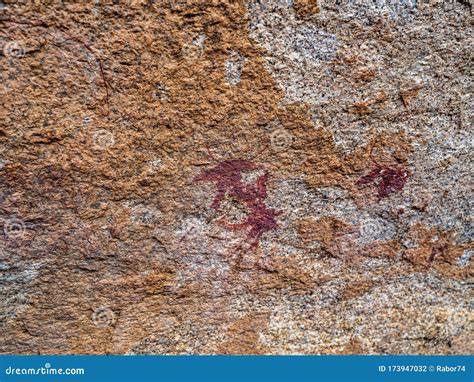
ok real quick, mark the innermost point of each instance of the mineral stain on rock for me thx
(228, 176)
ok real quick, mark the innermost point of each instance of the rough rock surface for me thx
(233, 177)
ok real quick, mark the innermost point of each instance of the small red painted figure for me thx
(390, 180)
(228, 178)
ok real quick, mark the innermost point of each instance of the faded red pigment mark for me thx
(390, 180)
(228, 178)
(435, 251)
(70, 36)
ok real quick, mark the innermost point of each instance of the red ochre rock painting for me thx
(228, 178)
(389, 180)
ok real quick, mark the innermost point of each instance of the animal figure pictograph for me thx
(228, 177)
(387, 179)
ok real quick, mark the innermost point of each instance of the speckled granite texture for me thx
(236, 177)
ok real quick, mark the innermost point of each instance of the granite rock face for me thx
(245, 177)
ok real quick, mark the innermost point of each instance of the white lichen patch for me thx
(465, 259)
(199, 40)
(192, 51)
(233, 67)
